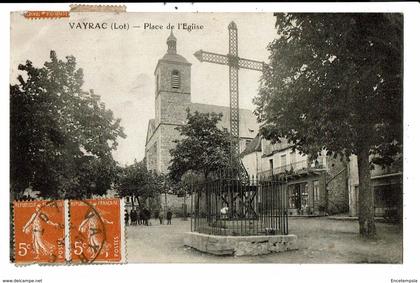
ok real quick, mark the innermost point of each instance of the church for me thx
(172, 98)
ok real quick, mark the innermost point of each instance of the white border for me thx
(123, 247)
(67, 230)
(240, 272)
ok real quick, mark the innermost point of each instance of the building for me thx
(251, 156)
(313, 187)
(387, 186)
(172, 98)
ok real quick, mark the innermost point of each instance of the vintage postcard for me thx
(258, 137)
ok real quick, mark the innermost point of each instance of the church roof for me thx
(174, 58)
(248, 126)
(150, 129)
(171, 54)
(253, 146)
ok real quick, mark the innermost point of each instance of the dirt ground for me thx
(320, 240)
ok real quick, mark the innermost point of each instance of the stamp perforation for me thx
(40, 218)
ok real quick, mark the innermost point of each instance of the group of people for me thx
(142, 217)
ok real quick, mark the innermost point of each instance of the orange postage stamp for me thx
(39, 231)
(95, 231)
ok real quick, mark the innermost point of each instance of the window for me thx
(316, 190)
(292, 158)
(283, 162)
(157, 82)
(304, 194)
(175, 79)
(271, 166)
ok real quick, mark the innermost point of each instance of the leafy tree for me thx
(138, 183)
(204, 148)
(61, 137)
(334, 83)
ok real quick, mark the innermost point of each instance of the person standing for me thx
(133, 216)
(146, 215)
(156, 215)
(140, 216)
(161, 217)
(126, 217)
(169, 217)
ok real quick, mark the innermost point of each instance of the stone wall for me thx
(337, 187)
(153, 152)
(175, 203)
(171, 103)
(240, 245)
(169, 134)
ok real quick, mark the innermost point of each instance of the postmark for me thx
(39, 234)
(95, 231)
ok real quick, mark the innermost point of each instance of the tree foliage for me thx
(334, 83)
(136, 181)
(61, 137)
(204, 148)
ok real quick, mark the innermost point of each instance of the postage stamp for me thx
(166, 126)
(39, 231)
(95, 231)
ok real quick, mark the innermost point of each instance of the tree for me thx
(204, 148)
(334, 83)
(138, 183)
(61, 137)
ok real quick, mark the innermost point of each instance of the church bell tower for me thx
(173, 85)
(172, 98)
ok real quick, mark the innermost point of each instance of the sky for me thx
(119, 64)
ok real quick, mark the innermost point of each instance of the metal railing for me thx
(227, 206)
(292, 167)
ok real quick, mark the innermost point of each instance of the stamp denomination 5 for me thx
(39, 231)
(95, 231)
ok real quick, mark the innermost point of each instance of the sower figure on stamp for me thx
(93, 226)
(36, 222)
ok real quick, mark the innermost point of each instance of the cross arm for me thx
(204, 56)
(251, 64)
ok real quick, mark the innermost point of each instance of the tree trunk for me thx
(184, 208)
(138, 201)
(366, 202)
(166, 203)
(132, 202)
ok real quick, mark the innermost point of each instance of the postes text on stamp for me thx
(95, 231)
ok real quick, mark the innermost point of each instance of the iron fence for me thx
(293, 167)
(227, 206)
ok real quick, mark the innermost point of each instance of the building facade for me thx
(313, 187)
(387, 186)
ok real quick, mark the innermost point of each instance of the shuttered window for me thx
(176, 79)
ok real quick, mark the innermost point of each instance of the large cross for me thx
(234, 62)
